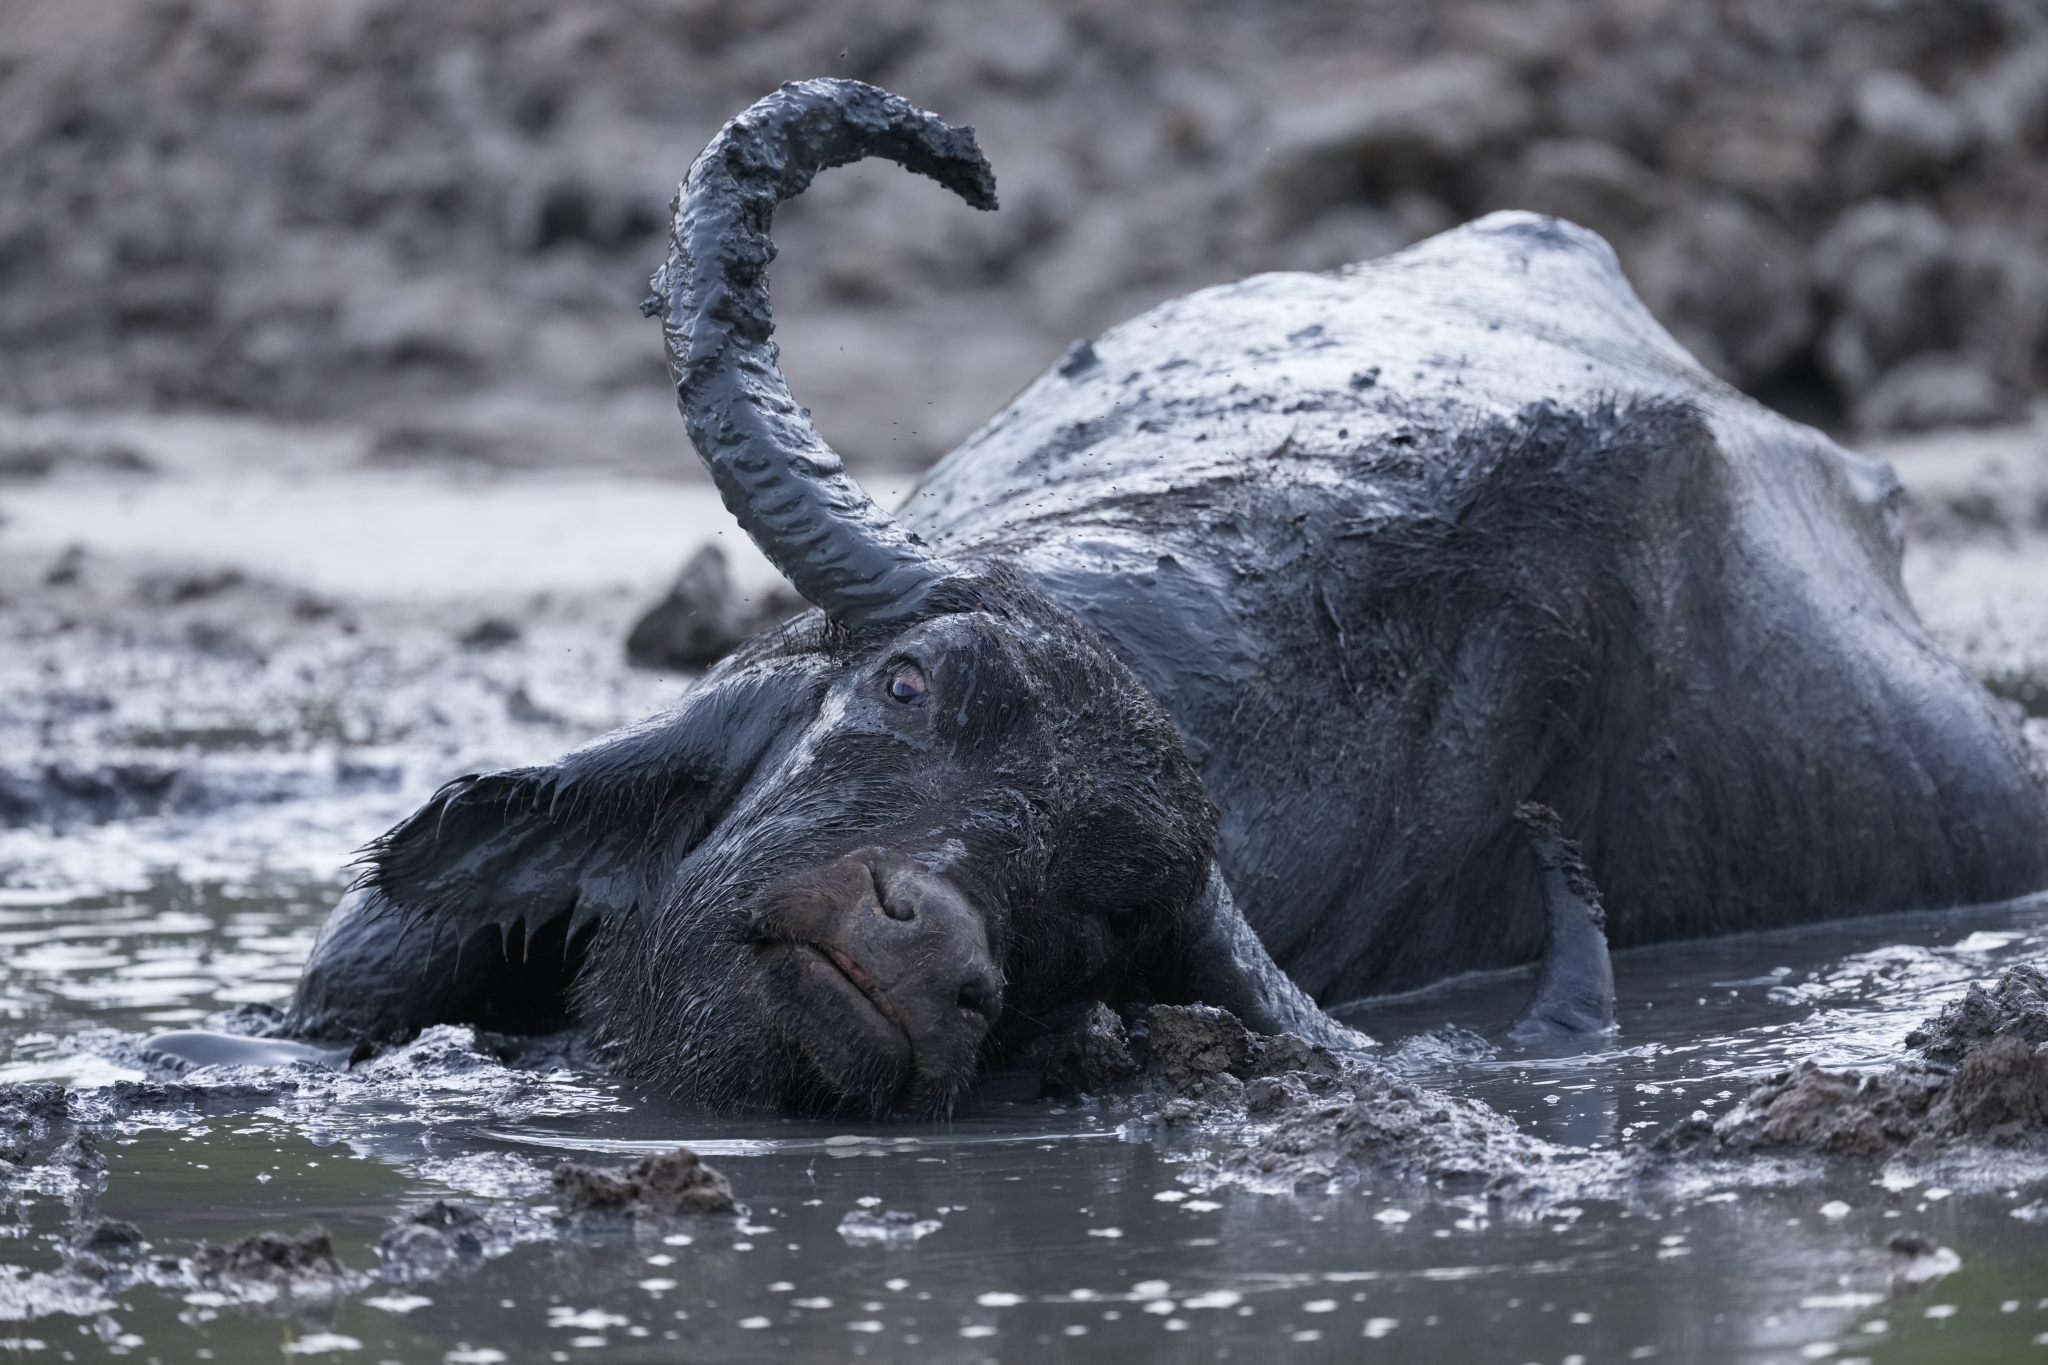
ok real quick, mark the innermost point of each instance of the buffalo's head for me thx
(955, 831)
(874, 847)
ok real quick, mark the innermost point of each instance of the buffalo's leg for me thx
(1223, 963)
(1575, 985)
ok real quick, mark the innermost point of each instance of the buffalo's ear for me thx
(1217, 959)
(473, 908)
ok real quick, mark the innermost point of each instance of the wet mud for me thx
(1407, 1176)
(274, 1267)
(1983, 1078)
(1093, 1055)
(2015, 1005)
(270, 1274)
(704, 617)
(1281, 1114)
(1295, 1113)
(1367, 1121)
(428, 1243)
(661, 1186)
(1275, 1113)
(1846, 220)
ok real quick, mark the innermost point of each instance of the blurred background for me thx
(395, 212)
(320, 319)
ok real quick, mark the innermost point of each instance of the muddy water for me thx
(1052, 1231)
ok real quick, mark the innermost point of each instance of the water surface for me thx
(1064, 1231)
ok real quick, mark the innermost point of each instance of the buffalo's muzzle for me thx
(887, 968)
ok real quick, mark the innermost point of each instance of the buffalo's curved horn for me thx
(776, 474)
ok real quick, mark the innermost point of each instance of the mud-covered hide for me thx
(1404, 545)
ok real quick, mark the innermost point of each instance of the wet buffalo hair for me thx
(1052, 780)
(619, 884)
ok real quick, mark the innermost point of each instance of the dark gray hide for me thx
(1381, 555)
(1403, 546)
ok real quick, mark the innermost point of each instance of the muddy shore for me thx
(439, 219)
(204, 614)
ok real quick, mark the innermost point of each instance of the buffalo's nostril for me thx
(891, 900)
(974, 996)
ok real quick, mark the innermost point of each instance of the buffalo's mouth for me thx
(835, 971)
(860, 979)
(851, 1033)
(879, 973)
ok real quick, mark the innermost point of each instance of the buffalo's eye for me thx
(907, 684)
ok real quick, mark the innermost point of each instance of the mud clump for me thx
(2015, 1006)
(1193, 1044)
(432, 1241)
(27, 1113)
(1915, 1259)
(81, 1153)
(703, 617)
(112, 1238)
(1809, 1108)
(1370, 1121)
(1093, 1055)
(660, 1186)
(2000, 1092)
(1985, 1080)
(1332, 1116)
(33, 1106)
(1285, 1054)
(1202, 1054)
(106, 1249)
(272, 1256)
(272, 1266)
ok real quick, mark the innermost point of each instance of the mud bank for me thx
(261, 624)
(399, 208)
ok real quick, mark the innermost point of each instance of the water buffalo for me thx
(1218, 666)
